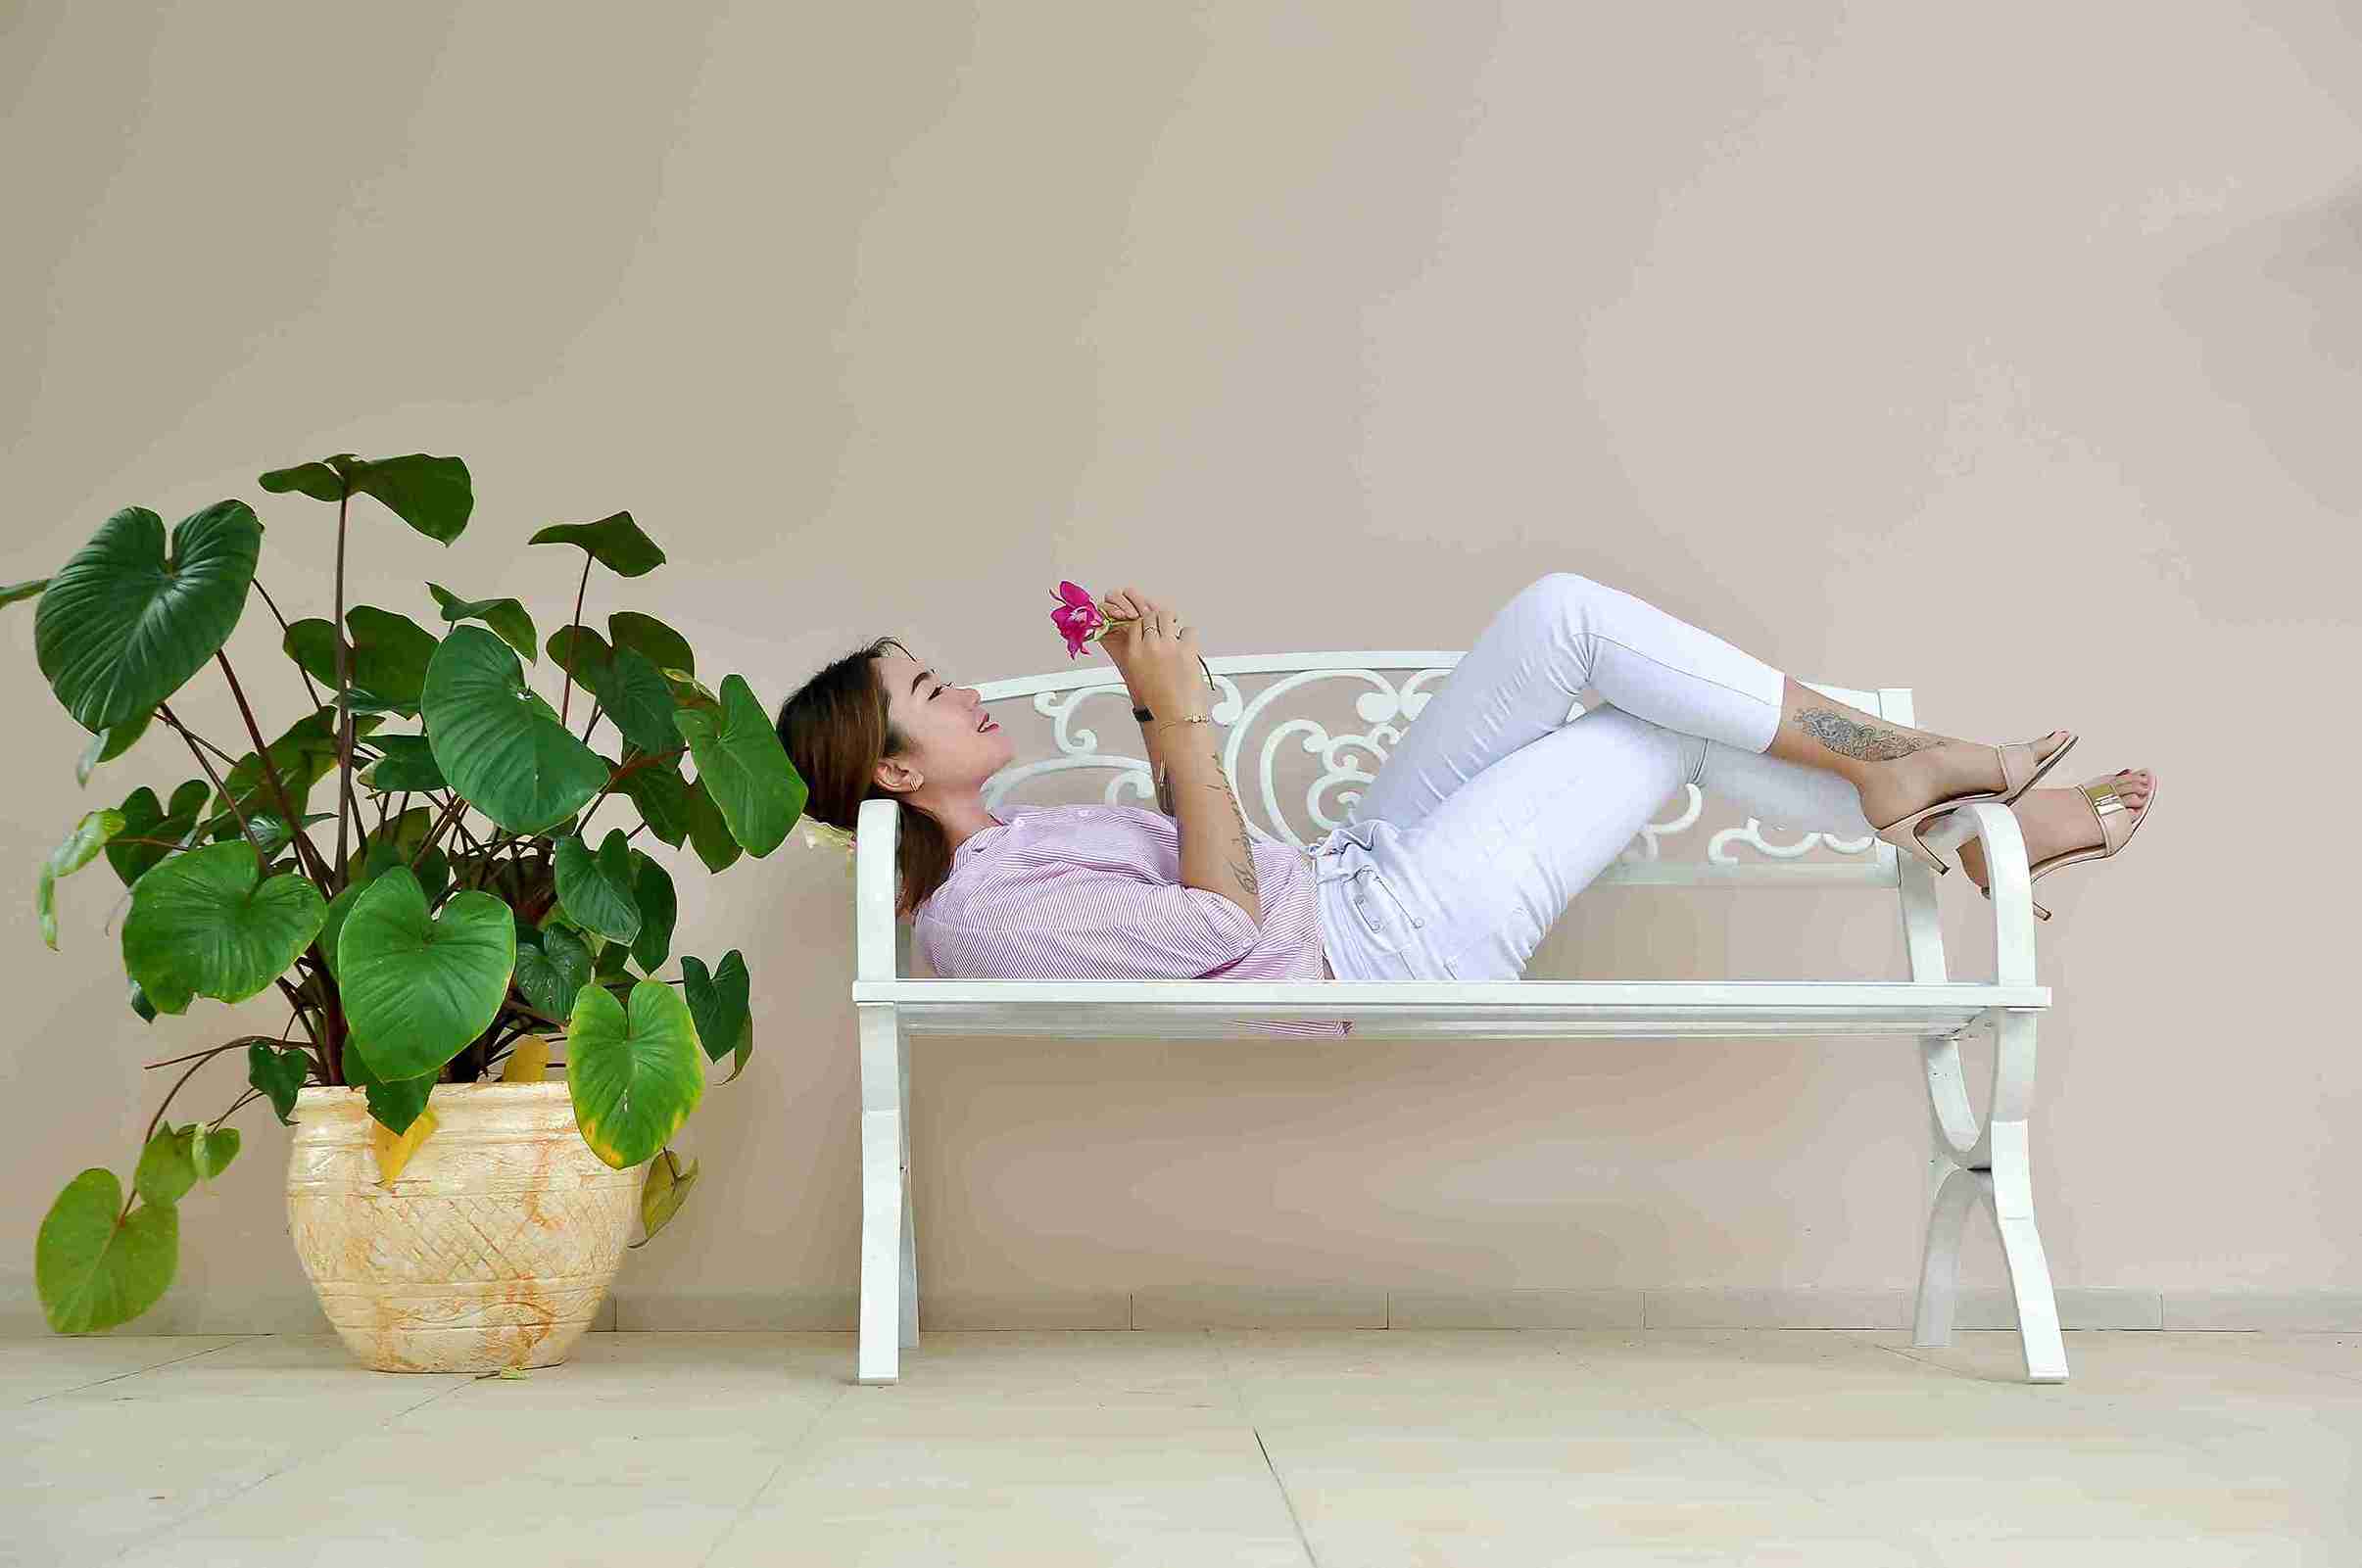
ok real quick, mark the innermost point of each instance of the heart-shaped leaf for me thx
(417, 991)
(666, 1191)
(210, 1150)
(144, 817)
(664, 648)
(505, 616)
(744, 769)
(207, 923)
(108, 744)
(614, 543)
(661, 796)
(552, 971)
(709, 833)
(387, 660)
(122, 626)
(634, 1072)
(498, 742)
(639, 699)
(718, 1002)
(95, 1266)
(79, 849)
(652, 891)
(166, 1168)
(395, 1104)
(596, 890)
(279, 1071)
(433, 494)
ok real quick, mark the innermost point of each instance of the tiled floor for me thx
(1236, 1447)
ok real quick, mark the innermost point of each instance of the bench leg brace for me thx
(890, 1255)
(1988, 1164)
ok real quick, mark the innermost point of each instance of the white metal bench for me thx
(1970, 1162)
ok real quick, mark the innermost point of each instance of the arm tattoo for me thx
(1164, 792)
(1242, 860)
(1867, 743)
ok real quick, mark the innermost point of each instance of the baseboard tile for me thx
(2272, 1312)
(1533, 1307)
(1254, 1307)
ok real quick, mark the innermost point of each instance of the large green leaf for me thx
(614, 543)
(388, 659)
(744, 769)
(661, 796)
(207, 923)
(505, 616)
(596, 889)
(95, 1266)
(122, 625)
(634, 1072)
(144, 817)
(167, 1166)
(709, 833)
(551, 970)
(80, 847)
(433, 494)
(664, 648)
(417, 991)
(639, 699)
(498, 742)
(279, 1071)
(659, 908)
(718, 1001)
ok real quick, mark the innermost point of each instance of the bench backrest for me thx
(1296, 713)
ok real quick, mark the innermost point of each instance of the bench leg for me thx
(1989, 1163)
(888, 1278)
(910, 1229)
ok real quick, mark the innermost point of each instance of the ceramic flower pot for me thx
(493, 1246)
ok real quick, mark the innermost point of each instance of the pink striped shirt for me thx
(1093, 892)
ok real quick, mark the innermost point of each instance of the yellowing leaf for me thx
(394, 1150)
(528, 1061)
(667, 1188)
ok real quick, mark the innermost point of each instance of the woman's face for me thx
(953, 744)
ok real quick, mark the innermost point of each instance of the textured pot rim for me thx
(547, 1088)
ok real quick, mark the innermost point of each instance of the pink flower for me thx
(1076, 617)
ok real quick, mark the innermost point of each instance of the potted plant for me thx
(437, 922)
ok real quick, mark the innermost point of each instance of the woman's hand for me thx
(1156, 651)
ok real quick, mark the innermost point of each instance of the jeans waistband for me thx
(1327, 860)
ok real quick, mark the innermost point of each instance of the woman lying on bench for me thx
(1494, 810)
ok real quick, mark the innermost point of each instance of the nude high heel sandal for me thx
(2118, 823)
(2020, 769)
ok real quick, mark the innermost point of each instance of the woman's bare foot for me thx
(1894, 787)
(2056, 821)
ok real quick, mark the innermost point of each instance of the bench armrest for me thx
(1994, 827)
(877, 936)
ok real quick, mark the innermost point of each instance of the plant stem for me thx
(344, 682)
(304, 854)
(565, 699)
(317, 698)
(165, 713)
(450, 814)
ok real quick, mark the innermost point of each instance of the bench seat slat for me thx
(1510, 1010)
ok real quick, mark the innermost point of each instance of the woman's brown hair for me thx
(835, 731)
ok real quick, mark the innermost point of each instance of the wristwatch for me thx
(1142, 714)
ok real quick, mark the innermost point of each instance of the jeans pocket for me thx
(1381, 922)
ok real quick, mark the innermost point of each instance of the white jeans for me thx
(1496, 808)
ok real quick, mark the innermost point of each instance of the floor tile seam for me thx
(1288, 1503)
(141, 1371)
(793, 1455)
(303, 1456)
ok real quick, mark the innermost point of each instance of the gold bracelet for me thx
(1195, 718)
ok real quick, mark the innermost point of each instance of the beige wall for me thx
(2008, 353)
